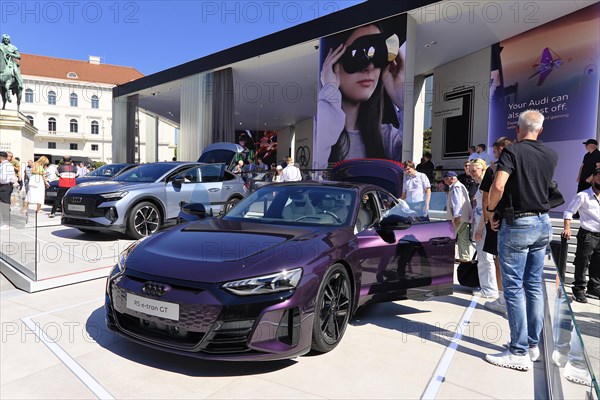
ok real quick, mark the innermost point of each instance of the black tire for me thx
(144, 219)
(332, 309)
(230, 204)
(87, 230)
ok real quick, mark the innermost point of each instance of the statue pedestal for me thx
(17, 134)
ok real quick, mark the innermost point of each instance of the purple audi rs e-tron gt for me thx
(278, 275)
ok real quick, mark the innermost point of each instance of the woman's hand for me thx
(393, 81)
(330, 73)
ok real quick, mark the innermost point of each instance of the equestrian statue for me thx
(10, 72)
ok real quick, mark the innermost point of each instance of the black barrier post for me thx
(562, 258)
(559, 253)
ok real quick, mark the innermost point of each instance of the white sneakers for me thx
(508, 360)
(577, 375)
(498, 305)
(480, 293)
(571, 372)
(534, 353)
(559, 358)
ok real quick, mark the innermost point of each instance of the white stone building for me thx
(69, 102)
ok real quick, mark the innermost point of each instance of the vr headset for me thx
(370, 49)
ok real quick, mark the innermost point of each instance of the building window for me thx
(95, 128)
(72, 75)
(95, 102)
(28, 96)
(30, 119)
(94, 147)
(52, 124)
(73, 100)
(73, 126)
(72, 146)
(52, 145)
(51, 97)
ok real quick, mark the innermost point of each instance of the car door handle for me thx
(439, 241)
(214, 189)
(226, 187)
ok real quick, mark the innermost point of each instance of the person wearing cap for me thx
(67, 173)
(7, 181)
(588, 165)
(278, 173)
(587, 255)
(458, 209)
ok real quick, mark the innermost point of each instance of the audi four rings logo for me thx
(155, 289)
(76, 199)
(303, 156)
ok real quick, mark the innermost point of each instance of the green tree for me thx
(427, 141)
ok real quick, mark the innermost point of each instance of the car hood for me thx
(216, 250)
(98, 187)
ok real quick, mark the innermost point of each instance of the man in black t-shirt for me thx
(426, 166)
(519, 196)
(588, 165)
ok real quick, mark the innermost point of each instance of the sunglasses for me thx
(364, 51)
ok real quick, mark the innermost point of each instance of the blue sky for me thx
(149, 35)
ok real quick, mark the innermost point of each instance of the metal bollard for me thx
(562, 258)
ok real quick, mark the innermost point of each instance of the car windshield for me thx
(317, 205)
(107, 170)
(145, 173)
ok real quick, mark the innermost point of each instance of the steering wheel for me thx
(337, 219)
(306, 217)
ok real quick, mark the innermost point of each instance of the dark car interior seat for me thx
(299, 207)
(366, 213)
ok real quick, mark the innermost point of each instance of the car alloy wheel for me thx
(231, 203)
(333, 308)
(144, 220)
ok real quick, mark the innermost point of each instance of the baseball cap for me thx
(450, 174)
(279, 167)
(591, 141)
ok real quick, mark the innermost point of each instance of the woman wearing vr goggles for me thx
(351, 102)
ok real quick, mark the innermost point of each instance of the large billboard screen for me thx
(554, 69)
(361, 99)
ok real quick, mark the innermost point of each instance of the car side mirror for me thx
(178, 181)
(196, 209)
(394, 222)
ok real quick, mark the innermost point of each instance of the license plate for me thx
(76, 207)
(153, 307)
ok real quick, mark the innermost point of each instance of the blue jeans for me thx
(521, 251)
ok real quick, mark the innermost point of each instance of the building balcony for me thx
(62, 136)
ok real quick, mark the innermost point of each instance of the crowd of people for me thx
(501, 206)
(288, 171)
(30, 180)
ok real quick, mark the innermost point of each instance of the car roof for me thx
(337, 184)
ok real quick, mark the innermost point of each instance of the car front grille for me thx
(186, 333)
(90, 203)
(80, 222)
(228, 337)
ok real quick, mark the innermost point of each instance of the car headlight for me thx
(114, 195)
(282, 281)
(122, 259)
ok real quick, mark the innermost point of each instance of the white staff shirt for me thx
(588, 205)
